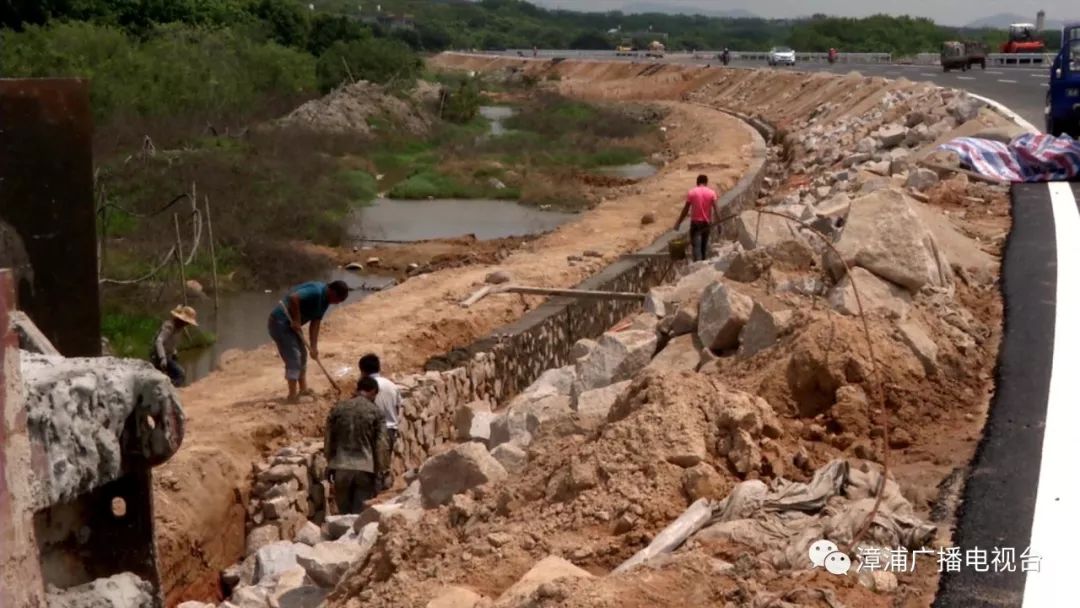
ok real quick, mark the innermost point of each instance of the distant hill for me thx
(1004, 20)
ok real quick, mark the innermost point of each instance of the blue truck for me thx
(1063, 98)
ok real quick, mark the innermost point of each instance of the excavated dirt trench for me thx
(235, 415)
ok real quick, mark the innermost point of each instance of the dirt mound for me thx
(595, 492)
(359, 109)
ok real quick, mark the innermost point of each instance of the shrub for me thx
(378, 60)
(179, 69)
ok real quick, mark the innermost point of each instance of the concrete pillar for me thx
(47, 196)
(20, 571)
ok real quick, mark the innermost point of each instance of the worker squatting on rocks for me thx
(701, 206)
(388, 399)
(306, 303)
(357, 453)
(163, 352)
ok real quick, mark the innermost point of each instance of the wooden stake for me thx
(549, 291)
(213, 256)
(180, 258)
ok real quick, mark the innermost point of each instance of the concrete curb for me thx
(1005, 111)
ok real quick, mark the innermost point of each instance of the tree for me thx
(328, 29)
(287, 21)
(377, 60)
(592, 41)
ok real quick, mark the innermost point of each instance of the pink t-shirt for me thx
(702, 199)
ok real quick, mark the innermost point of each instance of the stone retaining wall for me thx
(515, 355)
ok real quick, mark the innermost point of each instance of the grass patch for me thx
(130, 334)
(431, 183)
(361, 185)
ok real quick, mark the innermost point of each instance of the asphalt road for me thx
(1021, 88)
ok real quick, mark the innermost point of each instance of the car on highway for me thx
(781, 55)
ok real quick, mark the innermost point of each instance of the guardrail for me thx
(997, 59)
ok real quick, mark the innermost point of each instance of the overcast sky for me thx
(950, 12)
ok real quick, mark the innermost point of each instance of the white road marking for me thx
(927, 74)
(1054, 531)
(965, 78)
(1037, 75)
(1008, 81)
(1046, 85)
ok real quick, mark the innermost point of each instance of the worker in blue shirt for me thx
(303, 304)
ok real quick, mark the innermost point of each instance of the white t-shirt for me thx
(388, 400)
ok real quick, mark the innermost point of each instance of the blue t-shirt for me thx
(313, 302)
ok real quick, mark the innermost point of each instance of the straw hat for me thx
(186, 314)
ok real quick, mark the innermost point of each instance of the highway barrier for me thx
(996, 59)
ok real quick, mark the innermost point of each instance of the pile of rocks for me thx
(290, 490)
(292, 562)
(882, 141)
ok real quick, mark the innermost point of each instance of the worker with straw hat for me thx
(163, 353)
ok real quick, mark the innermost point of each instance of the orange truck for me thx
(1023, 38)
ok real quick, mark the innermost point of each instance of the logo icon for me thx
(837, 563)
(825, 553)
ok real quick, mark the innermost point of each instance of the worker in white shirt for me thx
(388, 398)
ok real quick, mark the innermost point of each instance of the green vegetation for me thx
(375, 60)
(131, 334)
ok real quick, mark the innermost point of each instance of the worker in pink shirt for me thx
(701, 206)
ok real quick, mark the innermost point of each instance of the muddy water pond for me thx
(240, 322)
(407, 220)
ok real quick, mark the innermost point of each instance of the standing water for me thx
(240, 322)
(407, 220)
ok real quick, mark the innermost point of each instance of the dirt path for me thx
(233, 415)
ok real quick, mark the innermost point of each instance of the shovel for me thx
(326, 373)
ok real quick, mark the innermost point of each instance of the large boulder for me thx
(473, 421)
(876, 295)
(597, 402)
(680, 354)
(455, 471)
(884, 235)
(721, 317)
(617, 357)
(339, 525)
(328, 562)
(123, 590)
(511, 456)
(763, 328)
(260, 537)
(913, 334)
(277, 558)
(549, 569)
(761, 230)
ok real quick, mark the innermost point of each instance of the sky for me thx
(954, 12)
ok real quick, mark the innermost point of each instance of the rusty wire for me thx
(880, 490)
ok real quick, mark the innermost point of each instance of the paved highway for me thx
(1021, 88)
